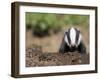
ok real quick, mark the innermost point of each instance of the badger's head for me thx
(73, 37)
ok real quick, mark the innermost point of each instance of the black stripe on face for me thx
(68, 36)
(77, 35)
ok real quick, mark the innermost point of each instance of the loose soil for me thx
(35, 57)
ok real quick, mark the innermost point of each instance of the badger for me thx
(72, 41)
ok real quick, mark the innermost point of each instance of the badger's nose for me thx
(72, 46)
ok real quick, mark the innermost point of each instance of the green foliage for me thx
(75, 20)
(43, 23)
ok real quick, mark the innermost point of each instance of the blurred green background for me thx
(43, 24)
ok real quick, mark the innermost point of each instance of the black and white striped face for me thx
(73, 37)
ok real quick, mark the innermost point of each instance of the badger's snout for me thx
(72, 48)
(72, 45)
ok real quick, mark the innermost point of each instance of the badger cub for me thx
(72, 41)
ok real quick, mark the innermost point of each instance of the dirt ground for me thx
(44, 51)
(34, 57)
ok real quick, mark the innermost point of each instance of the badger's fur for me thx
(72, 41)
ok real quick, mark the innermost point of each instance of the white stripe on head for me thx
(73, 36)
